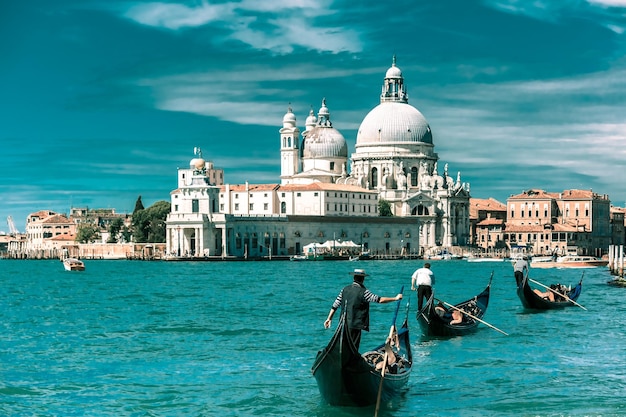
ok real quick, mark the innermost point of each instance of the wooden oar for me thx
(382, 372)
(474, 317)
(557, 293)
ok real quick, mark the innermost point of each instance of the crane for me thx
(12, 229)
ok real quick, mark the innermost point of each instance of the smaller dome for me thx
(197, 163)
(324, 142)
(311, 120)
(289, 119)
(393, 72)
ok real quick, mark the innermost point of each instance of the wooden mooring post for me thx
(616, 260)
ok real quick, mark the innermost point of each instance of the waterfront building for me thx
(569, 222)
(618, 223)
(44, 225)
(487, 219)
(394, 161)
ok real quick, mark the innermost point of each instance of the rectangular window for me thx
(251, 206)
(194, 206)
(236, 206)
(265, 206)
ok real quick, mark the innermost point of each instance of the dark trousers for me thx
(423, 291)
(355, 335)
(519, 276)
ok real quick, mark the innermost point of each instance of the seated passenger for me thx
(454, 317)
(548, 295)
(457, 317)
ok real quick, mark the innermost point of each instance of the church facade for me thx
(325, 194)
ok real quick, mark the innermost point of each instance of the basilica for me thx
(326, 194)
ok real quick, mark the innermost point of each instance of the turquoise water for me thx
(132, 338)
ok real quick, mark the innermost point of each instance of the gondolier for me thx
(520, 269)
(355, 299)
(423, 279)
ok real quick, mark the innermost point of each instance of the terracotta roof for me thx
(57, 218)
(559, 227)
(315, 186)
(249, 187)
(538, 194)
(490, 204)
(582, 195)
(525, 228)
(491, 222)
(42, 214)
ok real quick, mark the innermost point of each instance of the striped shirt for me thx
(369, 296)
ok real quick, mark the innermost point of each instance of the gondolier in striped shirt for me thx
(354, 300)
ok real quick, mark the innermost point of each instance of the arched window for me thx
(420, 210)
(283, 207)
(374, 179)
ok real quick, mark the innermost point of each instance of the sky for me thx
(103, 100)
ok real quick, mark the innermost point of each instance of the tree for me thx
(384, 208)
(138, 205)
(87, 233)
(148, 225)
(114, 229)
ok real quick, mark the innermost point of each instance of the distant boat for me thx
(365, 255)
(531, 300)
(484, 259)
(617, 282)
(298, 258)
(73, 264)
(568, 261)
(433, 324)
(444, 255)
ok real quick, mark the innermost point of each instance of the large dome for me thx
(393, 122)
(324, 142)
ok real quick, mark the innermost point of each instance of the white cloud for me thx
(177, 16)
(277, 26)
(609, 3)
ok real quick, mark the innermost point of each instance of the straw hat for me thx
(359, 272)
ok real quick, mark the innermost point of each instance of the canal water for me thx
(132, 338)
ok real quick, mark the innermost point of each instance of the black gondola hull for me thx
(433, 325)
(345, 378)
(533, 301)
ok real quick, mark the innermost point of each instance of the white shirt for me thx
(521, 265)
(423, 276)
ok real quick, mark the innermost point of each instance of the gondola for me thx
(532, 300)
(434, 324)
(346, 377)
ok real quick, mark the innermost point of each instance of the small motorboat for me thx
(73, 264)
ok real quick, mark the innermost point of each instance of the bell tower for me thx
(289, 148)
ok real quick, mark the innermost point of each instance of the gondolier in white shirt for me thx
(520, 269)
(423, 280)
